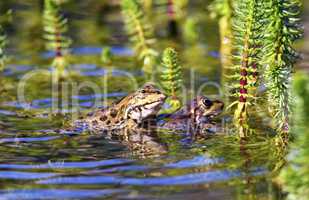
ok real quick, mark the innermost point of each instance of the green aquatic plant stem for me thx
(3, 39)
(223, 10)
(140, 33)
(247, 26)
(106, 55)
(55, 28)
(178, 7)
(279, 57)
(147, 4)
(190, 30)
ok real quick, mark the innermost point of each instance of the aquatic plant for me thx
(176, 8)
(171, 77)
(3, 39)
(247, 30)
(141, 34)
(223, 11)
(190, 30)
(295, 176)
(6, 18)
(106, 55)
(279, 56)
(55, 28)
(147, 5)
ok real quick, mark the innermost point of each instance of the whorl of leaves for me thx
(3, 39)
(247, 27)
(279, 56)
(140, 33)
(171, 77)
(55, 27)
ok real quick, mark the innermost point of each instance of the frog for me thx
(128, 112)
(133, 119)
(124, 121)
(196, 116)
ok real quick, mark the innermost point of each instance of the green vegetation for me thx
(178, 7)
(140, 33)
(2, 47)
(223, 11)
(55, 28)
(106, 55)
(247, 30)
(260, 54)
(255, 64)
(7, 17)
(171, 77)
(190, 30)
(295, 176)
(279, 56)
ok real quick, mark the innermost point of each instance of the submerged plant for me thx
(247, 31)
(55, 28)
(171, 77)
(140, 33)
(279, 56)
(3, 39)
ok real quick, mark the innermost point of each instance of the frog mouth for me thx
(143, 111)
(152, 105)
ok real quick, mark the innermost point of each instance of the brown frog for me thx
(128, 113)
(124, 121)
(195, 116)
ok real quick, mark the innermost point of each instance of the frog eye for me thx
(143, 91)
(207, 102)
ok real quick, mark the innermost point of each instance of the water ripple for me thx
(31, 194)
(188, 179)
(64, 165)
(28, 139)
(47, 102)
(195, 162)
(25, 175)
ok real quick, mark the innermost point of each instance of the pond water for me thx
(38, 163)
